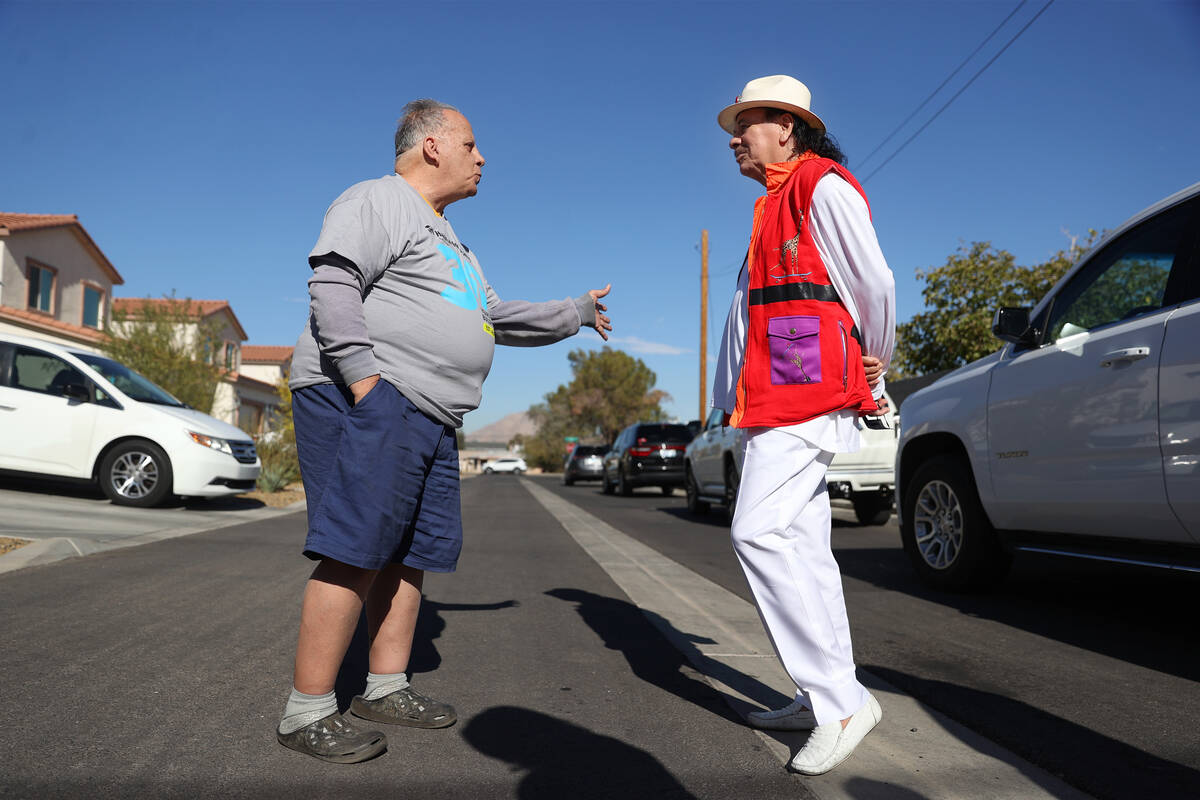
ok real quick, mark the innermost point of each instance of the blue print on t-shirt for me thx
(472, 295)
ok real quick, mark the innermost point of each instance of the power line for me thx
(941, 86)
(959, 92)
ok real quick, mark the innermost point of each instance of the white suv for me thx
(73, 414)
(513, 465)
(713, 469)
(1081, 435)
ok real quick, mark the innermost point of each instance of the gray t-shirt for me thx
(395, 292)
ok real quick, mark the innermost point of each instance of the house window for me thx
(229, 354)
(41, 288)
(93, 298)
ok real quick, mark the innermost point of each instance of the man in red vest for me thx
(809, 335)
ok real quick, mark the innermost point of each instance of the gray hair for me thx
(419, 119)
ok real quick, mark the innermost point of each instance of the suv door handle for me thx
(1124, 356)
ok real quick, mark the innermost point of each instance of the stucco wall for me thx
(267, 373)
(58, 249)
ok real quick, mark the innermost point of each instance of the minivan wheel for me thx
(947, 535)
(694, 504)
(136, 473)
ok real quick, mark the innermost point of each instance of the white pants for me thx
(781, 534)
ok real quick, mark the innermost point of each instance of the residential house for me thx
(268, 364)
(55, 283)
(240, 398)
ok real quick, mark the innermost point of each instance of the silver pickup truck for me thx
(713, 465)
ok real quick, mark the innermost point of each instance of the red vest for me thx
(803, 354)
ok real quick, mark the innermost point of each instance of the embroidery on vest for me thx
(779, 273)
(797, 360)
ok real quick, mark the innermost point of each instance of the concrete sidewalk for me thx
(71, 523)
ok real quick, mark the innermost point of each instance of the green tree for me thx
(962, 296)
(277, 447)
(609, 389)
(170, 343)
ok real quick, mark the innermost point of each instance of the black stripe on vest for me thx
(802, 290)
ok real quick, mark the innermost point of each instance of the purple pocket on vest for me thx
(795, 349)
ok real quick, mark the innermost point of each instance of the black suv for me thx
(646, 454)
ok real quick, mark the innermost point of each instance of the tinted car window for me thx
(36, 371)
(1126, 280)
(656, 434)
(588, 450)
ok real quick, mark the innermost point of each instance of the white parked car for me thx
(1081, 435)
(513, 465)
(73, 414)
(713, 469)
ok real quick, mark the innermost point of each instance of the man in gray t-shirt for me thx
(400, 337)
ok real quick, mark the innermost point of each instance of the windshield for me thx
(588, 450)
(128, 381)
(657, 434)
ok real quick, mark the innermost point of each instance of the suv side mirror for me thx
(1012, 325)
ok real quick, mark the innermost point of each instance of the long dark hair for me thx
(805, 138)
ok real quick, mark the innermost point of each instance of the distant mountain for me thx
(503, 430)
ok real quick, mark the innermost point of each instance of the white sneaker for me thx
(793, 717)
(830, 745)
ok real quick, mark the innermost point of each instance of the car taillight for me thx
(640, 451)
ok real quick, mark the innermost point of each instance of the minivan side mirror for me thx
(1012, 325)
(76, 391)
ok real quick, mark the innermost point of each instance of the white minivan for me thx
(73, 414)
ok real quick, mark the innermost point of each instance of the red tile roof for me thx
(28, 222)
(267, 353)
(199, 308)
(36, 320)
(16, 223)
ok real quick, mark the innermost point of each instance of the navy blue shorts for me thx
(381, 479)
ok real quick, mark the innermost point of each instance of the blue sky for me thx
(200, 143)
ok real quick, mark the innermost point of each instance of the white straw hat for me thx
(774, 91)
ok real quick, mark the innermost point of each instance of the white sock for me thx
(305, 709)
(380, 685)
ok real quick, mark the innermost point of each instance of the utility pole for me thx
(703, 323)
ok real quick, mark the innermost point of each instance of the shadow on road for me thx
(352, 676)
(1116, 770)
(639, 636)
(1122, 612)
(565, 760)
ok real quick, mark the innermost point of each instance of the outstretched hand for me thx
(602, 323)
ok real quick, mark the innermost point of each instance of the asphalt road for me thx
(160, 671)
(1088, 671)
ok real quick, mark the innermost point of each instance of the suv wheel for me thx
(623, 484)
(518, 471)
(694, 504)
(567, 479)
(136, 473)
(605, 485)
(732, 481)
(946, 533)
(871, 508)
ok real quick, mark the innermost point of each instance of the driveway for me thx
(66, 520)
